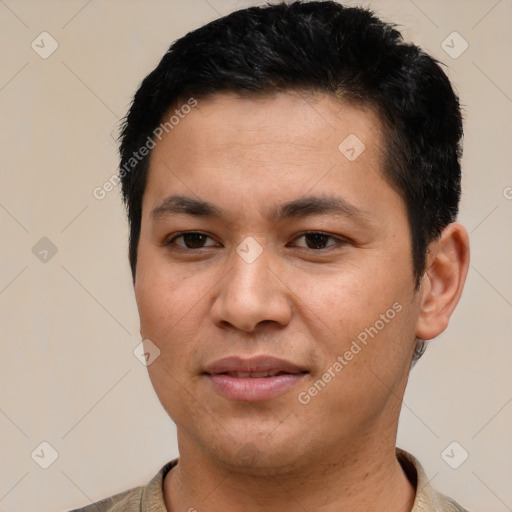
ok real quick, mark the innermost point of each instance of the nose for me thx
(252, 293)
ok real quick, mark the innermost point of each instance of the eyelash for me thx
(170, 241)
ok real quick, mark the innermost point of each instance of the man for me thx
(292, 179)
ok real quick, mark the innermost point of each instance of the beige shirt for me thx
(150, 498)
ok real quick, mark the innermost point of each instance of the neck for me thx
(364, 476)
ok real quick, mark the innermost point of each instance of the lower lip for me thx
(253, 389)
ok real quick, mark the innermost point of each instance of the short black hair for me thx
(323, 47)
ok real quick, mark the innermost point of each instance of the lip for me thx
(250, 388)
(252, 365)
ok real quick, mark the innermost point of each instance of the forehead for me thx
(293, 115)
(269, 146)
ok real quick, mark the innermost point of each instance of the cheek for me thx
(350, 298)
(165, 296)
(165, 311)
(364, 368)
(364, 312)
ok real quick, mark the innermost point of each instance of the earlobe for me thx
(443, 281)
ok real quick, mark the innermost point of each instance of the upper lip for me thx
(251, 365)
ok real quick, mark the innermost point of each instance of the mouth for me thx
(254, 375)
(253, 380)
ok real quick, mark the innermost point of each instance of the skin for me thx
(304, 300)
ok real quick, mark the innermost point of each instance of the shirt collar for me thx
(152, 499)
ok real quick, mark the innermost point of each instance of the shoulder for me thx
(427, 498)
(450, 505)
(147, 497)
(126, 501)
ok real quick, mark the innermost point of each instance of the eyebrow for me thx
(298, 208)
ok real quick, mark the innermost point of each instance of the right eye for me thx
(191, 240)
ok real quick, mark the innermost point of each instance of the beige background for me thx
(69, 325)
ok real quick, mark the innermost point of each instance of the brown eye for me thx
(317, 240)
(191, 240)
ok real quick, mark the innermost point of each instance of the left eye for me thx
(317, 239)
(191, 239)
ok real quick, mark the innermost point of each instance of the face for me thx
(279, 287)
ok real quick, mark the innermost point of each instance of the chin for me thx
(257, 455)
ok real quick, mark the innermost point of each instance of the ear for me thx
(441, 286)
